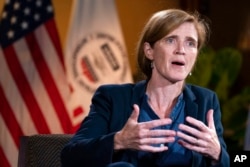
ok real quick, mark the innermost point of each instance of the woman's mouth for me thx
(178, 63)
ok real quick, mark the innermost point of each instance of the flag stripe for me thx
(9, 118)
(8, 145)
(3, 159)
(14, 98)
(35, 96)
(51, 28)
(48, 81)
(37, 87)
(25, 90)
(46, 46)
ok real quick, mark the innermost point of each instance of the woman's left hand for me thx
(202, 139)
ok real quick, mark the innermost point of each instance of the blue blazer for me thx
(92, 145)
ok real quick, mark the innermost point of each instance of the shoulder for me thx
(129, 91)
(198, 91)
(203, 97)
(115, 88)
(125, 87)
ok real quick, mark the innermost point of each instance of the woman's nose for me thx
(179, 48)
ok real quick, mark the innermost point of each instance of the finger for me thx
(161, 133)
(210, 119)
(156, 140)
(149, 148)
(188, 138)
(135, 114)
(196, 133)
(191, 140)
(191, 146)
(156, 123)
(200, 125)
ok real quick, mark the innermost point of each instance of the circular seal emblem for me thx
(98, 59)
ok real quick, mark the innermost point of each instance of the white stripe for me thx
(55, 66)
(8, 145)
(14, 98)
(53, 62)
(58, 74)
(37, 86)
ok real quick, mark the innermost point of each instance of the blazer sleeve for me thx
(92, 145)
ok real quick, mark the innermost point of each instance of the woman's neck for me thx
(163, 97)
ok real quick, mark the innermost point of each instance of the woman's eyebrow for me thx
(191, 39)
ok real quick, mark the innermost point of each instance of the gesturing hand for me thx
(202, 139)
(142, 136)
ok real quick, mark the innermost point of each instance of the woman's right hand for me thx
(141, 135)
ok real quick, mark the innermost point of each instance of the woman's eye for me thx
(192, 43)
(170, 40)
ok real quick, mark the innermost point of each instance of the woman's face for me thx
(174, 55)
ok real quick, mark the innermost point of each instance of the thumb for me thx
(210, 118)
(135, 114)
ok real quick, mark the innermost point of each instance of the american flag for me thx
(33, 86)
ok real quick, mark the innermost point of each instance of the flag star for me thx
(24, 25)
(37, 17)
(49, 9)
(7, 1)
(13, 19)
(10, 34)
(4, 15)
(38, 3)
(16, 6)
(26, 11)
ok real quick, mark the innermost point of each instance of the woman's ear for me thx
(148, 51)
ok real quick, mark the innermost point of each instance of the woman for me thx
(161, 121)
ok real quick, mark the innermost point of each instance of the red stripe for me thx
(3, 160)
(49, 83)
(9, 118)
(52, 31)
(25, 90)
(75, 128)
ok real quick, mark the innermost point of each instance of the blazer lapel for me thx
(191, 107)
(138, 92)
